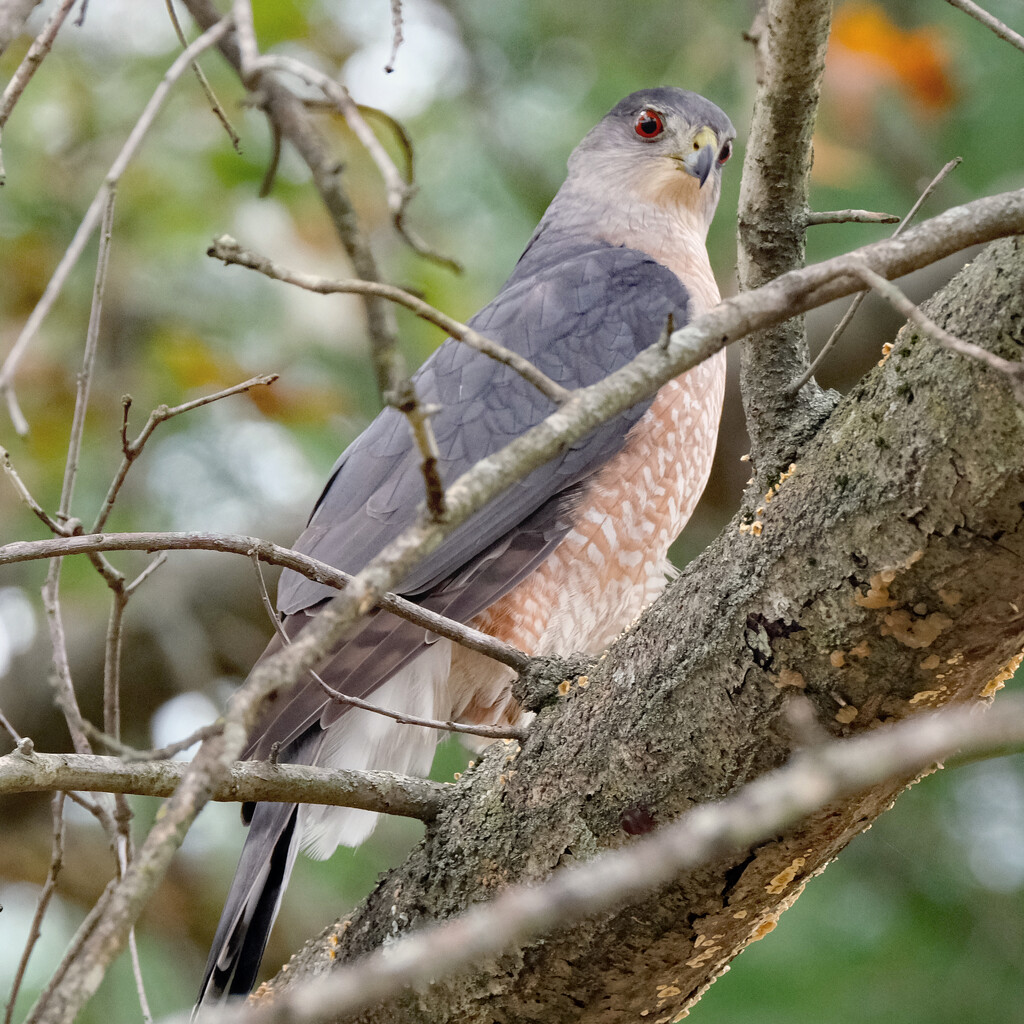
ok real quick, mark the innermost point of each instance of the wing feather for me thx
(578, 318)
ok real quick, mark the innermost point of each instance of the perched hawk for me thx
(562, 561)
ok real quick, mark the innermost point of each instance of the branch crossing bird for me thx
(562, 561)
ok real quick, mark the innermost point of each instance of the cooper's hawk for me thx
(562, 561)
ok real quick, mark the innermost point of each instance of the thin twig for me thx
(989, 21)
(861, 296)
(131, 450)
(396, 34)
(26, 496)
(493, 732)
(9, 728)
(228, 249)
(1014, 371)
(813, 217)
(60, 679)
(95, 807)
(489, 732)
(385, 792)
(40, 47)
(140, 988)
(155, 564)
(204, 84)
(93, 216)
(268, 604)
(245, 37)
(67, 700)
(130, 754)
(45, 895)
(311, 568)
(85, 376)
(399, 191)
(407, 402)
(112, 665)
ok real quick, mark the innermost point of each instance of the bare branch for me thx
(859, 298)
(94, 214)
(112, 665)
(385, 792)
(311, 568)
(396, 34)
(399, 192)
(989, 21)
(36, 53)
(45, 895)
(23, 492)
(204, 84)
(813, 217)
(406, 401)
(88, 358)
(792, 37)
(753, 813)
(131, 450)
(227, 249)
(493, 732)
(64, 687)
(1014, 371)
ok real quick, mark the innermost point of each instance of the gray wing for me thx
(578, 321)
(578, 312)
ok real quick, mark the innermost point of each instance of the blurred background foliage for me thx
(920, 920)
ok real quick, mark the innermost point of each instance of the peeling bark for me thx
(885, 579)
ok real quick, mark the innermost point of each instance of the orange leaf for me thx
(915, 60)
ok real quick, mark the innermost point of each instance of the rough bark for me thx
(885, 580)
(791, 38)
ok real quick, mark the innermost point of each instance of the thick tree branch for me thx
(33, 772)
(791, 38)
(757, 812)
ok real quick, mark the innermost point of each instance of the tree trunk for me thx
(881, 578)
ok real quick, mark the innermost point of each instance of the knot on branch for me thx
(541, 682)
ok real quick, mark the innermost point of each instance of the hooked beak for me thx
(699, 164)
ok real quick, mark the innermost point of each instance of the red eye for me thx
(725, 152)
(649, 125)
